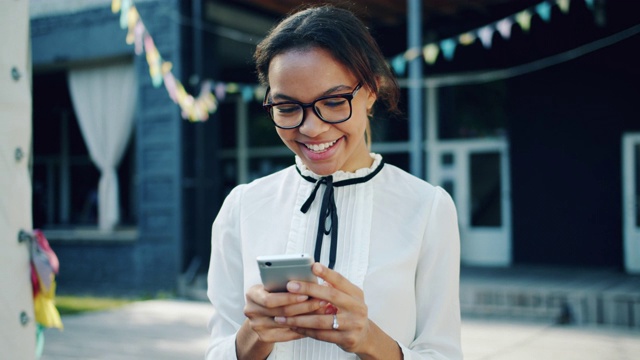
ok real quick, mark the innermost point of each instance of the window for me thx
(65, 180)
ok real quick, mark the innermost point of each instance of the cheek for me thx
(355, 126)
(285, 135)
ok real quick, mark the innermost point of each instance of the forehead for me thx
(309, 71)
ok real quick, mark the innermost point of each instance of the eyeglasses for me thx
(332, 109)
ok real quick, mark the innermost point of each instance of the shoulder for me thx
(265, 187)
(412, 192)
(405, 183)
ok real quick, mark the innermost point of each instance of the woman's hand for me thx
(262, 307)
(354, 333)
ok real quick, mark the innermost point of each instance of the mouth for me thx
(319, 148)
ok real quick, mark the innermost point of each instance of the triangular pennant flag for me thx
(221, 91)
(171, 86)
(523, 19)
(486, 36)
(247, 93)
(544, 10)
(138, 33)
(207, 99)
(124, 13)
(504, 27)
(132, 19)
(563, 5)
(232, 88)
(411, 54)
(116, 5)
(590, 4)
(467, 38)
(182, 96)
(399, 64)
(258, 93)
(154, 60)
(448, 47)
(430, 53)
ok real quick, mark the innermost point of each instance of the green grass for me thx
(68, 305)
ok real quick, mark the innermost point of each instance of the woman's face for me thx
(305, 75)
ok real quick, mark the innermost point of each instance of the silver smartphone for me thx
(277, 270)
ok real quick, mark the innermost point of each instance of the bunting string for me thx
(194, 109)
(496, 75)
(198, 108)
(447, 47)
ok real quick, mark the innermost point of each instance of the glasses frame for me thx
(348, 96)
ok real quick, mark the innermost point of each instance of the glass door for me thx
(476, 174)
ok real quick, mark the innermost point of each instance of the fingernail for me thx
(293, 286)
(302, 298)
(317, 267)
(323, 303)
(280, 319)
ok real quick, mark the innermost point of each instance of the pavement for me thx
(177, 330)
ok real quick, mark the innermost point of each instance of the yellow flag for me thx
(45, 309)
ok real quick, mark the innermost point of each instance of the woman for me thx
(386, 243)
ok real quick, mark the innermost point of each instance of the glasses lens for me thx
(334, 109)
(287, 115)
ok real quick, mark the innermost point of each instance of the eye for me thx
(287, 109)
(333, 102)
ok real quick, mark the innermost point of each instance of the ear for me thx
(371, 99)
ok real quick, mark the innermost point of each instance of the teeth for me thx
(320, 147)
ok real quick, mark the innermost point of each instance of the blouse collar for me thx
(341, 175)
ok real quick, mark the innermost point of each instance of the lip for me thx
(319, 156)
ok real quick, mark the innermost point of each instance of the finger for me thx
(341, 293)
(316, 291)
(256, 294)
(336, 280)
(318, 322)
(306, 307)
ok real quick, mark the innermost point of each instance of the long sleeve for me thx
(225, 279)
(437, 286)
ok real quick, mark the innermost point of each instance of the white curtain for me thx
(104, 100)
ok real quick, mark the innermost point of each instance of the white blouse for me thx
(397, 240)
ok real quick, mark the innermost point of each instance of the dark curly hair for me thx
(341, 33)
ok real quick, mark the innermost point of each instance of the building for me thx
(536, 136)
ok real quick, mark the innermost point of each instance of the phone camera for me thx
(268, 263)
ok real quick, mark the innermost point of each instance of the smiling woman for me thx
(385, 243)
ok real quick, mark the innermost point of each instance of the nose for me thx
(312, 125)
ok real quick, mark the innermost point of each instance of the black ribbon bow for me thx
(328, 220)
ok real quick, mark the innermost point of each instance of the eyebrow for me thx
(326, 93)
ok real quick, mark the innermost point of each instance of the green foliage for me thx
(68, 305)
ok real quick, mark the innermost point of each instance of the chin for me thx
(321, 169)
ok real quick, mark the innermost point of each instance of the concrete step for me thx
(560, 295)
(548, 294)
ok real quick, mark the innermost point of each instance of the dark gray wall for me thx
(152, 262)
(565, 147)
